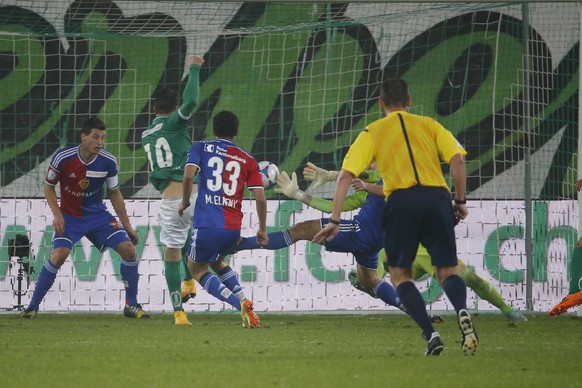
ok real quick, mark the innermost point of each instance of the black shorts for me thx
(419, 215)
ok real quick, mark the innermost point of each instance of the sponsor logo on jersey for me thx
(84, 183)
(96, 174)
(209, 147)
(72, 175)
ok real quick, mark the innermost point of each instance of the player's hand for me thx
(287, 186)
(579, 185)
(132, 235)
(59, 224)
(358, 184)
(327, 233)
(183, 206)
(196, 60)
(262, 238)
(318, 175)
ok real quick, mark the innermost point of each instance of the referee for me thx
(408, 150)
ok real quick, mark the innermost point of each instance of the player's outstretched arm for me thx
(192, 89)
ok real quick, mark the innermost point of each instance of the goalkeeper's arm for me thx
(289, 187)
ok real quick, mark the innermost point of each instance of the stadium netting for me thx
(304, 79)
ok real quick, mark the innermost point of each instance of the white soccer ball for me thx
(270, 173)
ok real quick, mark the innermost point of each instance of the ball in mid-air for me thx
(270, 173)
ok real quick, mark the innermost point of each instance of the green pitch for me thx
(106, 350)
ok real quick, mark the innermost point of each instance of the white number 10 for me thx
(162, 149)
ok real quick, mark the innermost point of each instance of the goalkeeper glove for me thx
(319, 175)
(289, 187)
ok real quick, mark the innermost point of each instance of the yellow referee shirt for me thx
(385, 142)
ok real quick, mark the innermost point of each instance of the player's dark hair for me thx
(91, 123)
(394, 92)
(225, 125)
(166, 100)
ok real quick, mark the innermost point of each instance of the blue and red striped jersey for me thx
(81, 183)
(224, 169)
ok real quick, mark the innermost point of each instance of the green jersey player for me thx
(166, 143)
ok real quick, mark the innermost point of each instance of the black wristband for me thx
(332, 221)
(460, 201)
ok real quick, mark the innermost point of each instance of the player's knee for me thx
(127, 251)
(368, 281)
(304, 230)
(59, 256)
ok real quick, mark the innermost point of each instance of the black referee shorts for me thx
(417, 215)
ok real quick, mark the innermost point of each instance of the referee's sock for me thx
(415, 307)
(456, 290)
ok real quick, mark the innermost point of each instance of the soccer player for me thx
(166, 143)
(81, 171)
(224, 170)
(574, 297)
(408, 149)
(421, 264)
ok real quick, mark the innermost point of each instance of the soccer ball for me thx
(270, 173)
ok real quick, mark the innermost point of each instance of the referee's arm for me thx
(459, 172)
(344, 180)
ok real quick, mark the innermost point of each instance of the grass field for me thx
(289, 350)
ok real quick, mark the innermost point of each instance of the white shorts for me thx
(173, 228)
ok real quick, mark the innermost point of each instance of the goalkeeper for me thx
(364, 236)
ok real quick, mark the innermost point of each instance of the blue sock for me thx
(130, 278)
(415, 307)
(229, 279)
(387, 293)
(277, 240)
(45, 281)
(214, 287)
(456, 290)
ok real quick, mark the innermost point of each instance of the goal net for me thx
(304, 79)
